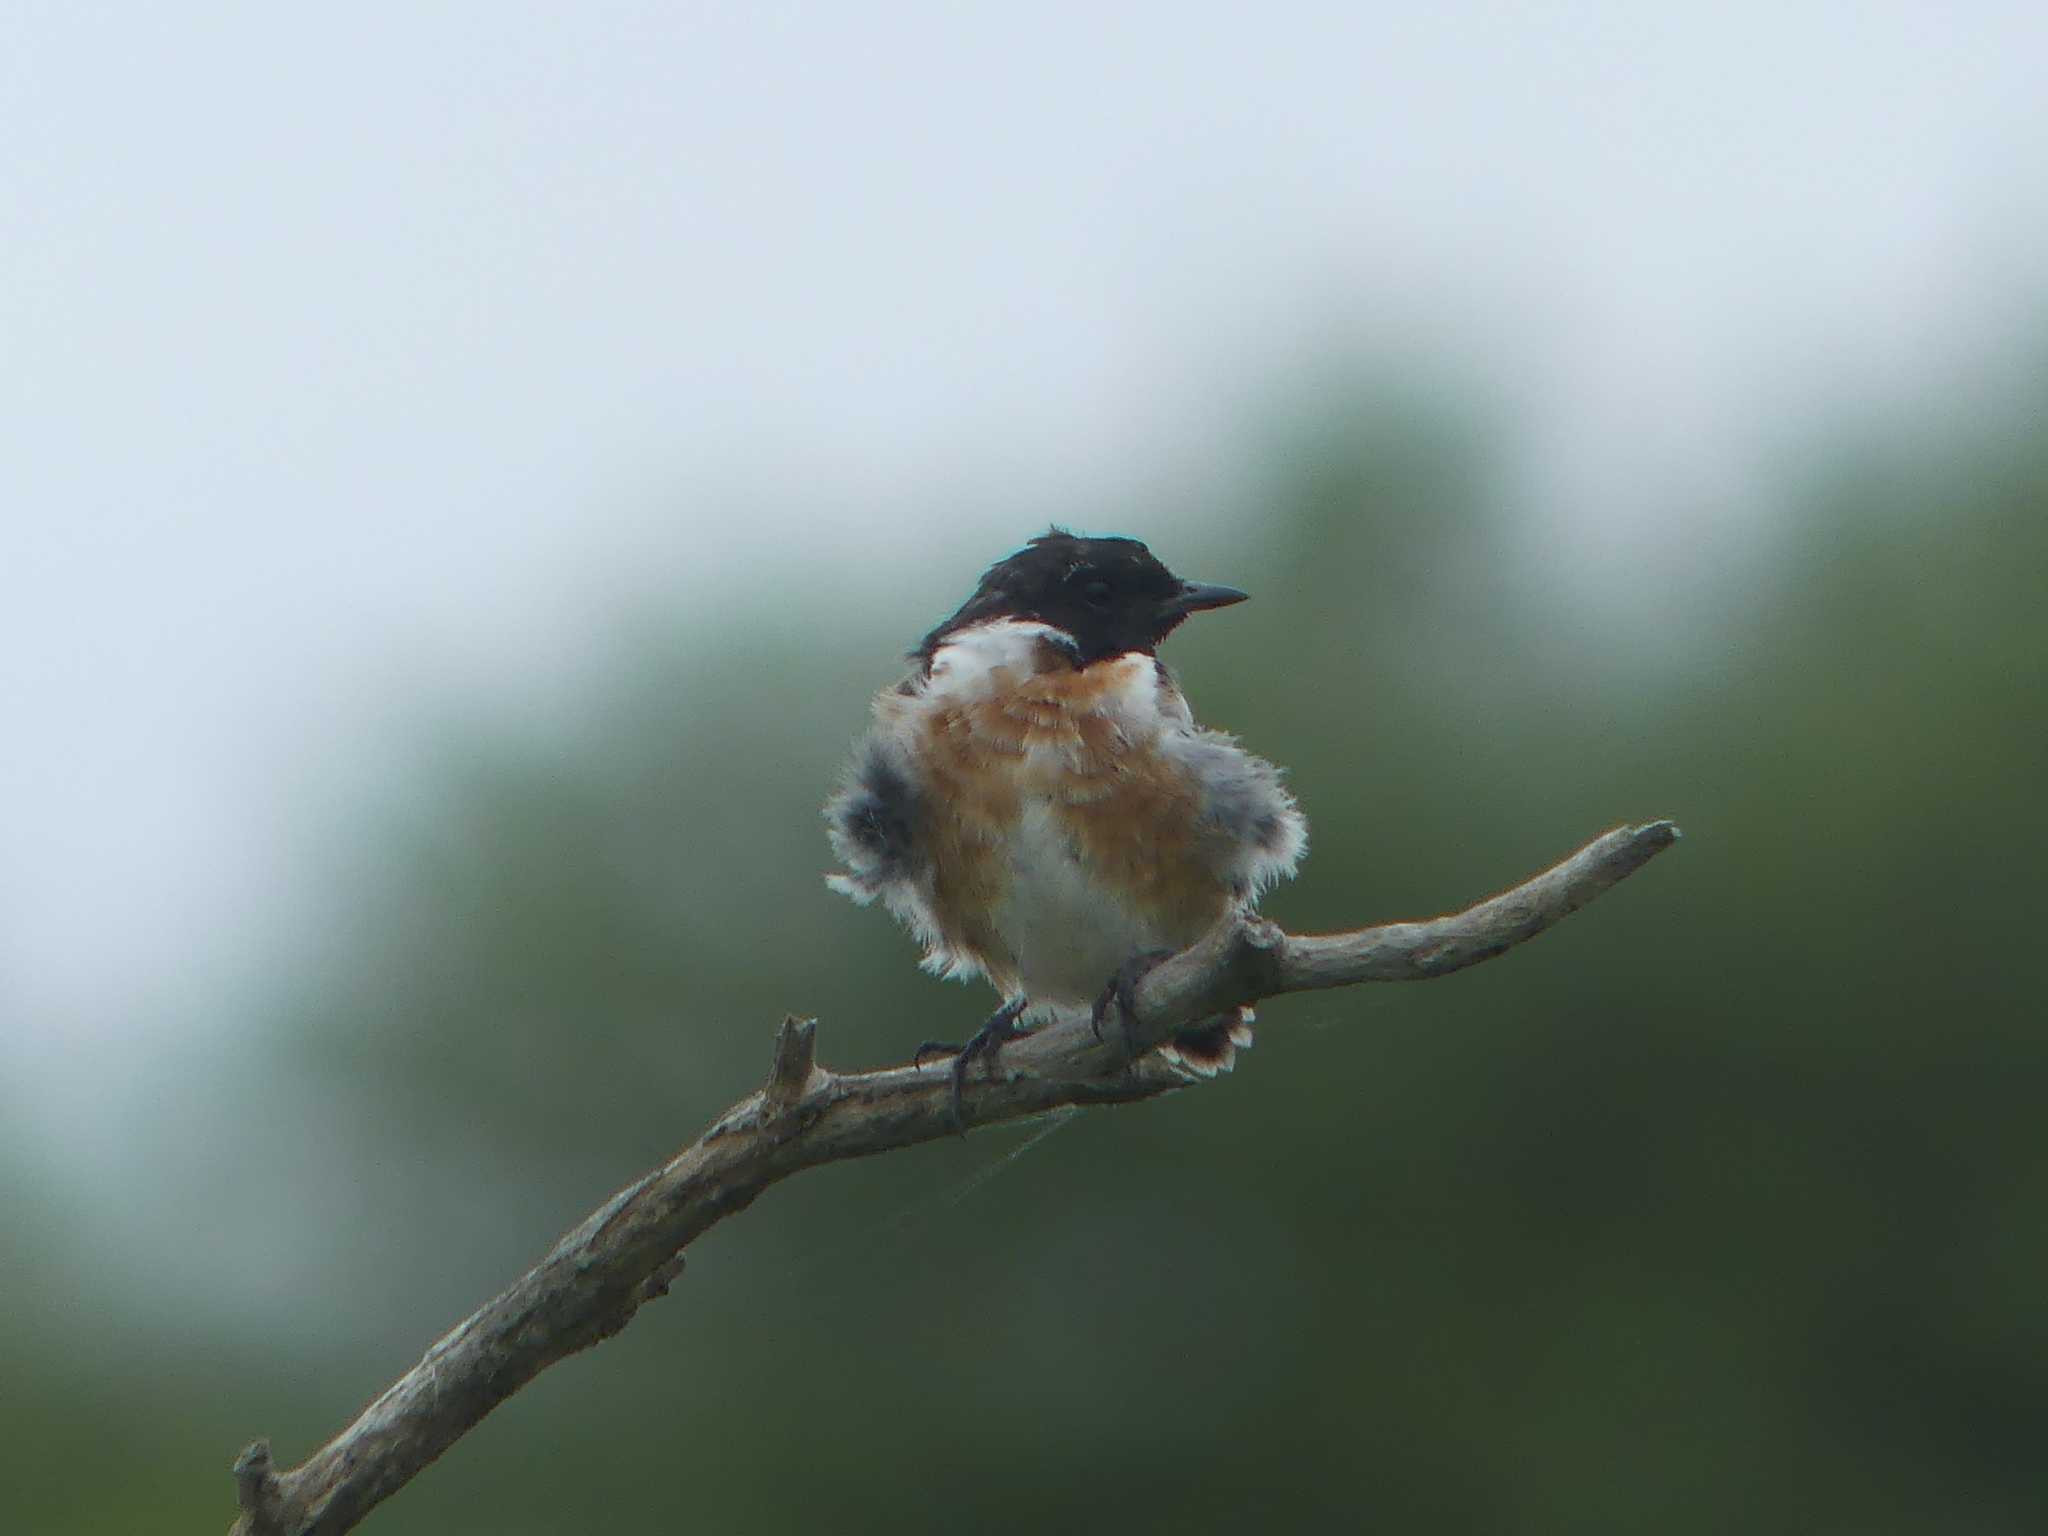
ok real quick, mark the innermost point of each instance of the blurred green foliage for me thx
(1726, 1206)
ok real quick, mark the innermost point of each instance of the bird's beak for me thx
(1194, 596)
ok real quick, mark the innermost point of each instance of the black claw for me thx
(1122, 989)
(1000, 1029)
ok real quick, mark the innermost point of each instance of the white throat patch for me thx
(966, 664)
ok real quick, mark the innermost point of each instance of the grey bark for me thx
(630, 1250)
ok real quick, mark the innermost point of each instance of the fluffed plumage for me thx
(1035, 802)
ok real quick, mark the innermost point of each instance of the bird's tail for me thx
(1210, 1048)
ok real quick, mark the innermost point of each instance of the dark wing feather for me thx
(873, 820)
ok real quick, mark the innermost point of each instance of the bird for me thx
(1037, 805)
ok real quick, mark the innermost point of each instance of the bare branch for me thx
(630, 1250)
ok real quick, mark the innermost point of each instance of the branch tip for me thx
(256, 1489)
(253, 1468)
(1643, 843)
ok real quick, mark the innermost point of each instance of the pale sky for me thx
(374, 345)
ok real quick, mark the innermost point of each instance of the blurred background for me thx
(463, 470)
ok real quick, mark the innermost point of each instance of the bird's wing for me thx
(1253, 832)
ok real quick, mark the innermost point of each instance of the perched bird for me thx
(1037, 805)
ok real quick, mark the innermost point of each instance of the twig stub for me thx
(790, 1073)
(256, 1490)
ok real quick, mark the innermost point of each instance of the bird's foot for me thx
(999, 1031)
(1122, 989)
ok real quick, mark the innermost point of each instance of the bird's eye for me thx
(1096, 594)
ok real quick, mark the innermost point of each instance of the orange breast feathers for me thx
(1033, 752)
